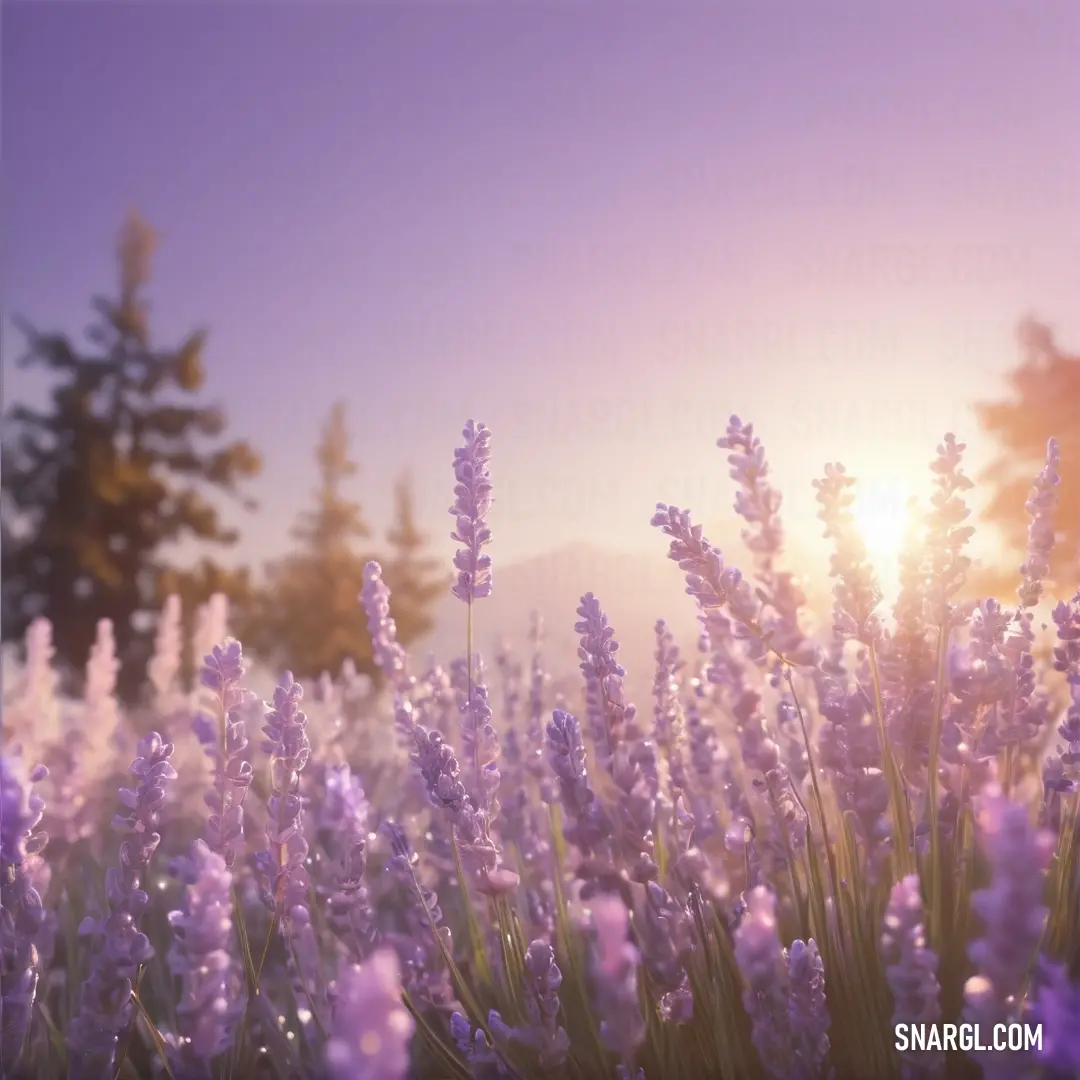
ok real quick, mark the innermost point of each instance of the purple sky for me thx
(598, 228)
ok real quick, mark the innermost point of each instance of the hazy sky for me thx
(600, 228)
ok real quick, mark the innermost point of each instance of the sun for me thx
(882, 516)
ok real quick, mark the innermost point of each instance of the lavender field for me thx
(800, 842)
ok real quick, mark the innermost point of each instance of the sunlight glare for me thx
(882, 516)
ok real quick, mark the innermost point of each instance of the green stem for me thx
(122, 1056)
(935, 928)
(902, 854)
(819, 801)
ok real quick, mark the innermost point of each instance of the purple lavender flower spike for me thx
(119, 949)
(587, 825)
(473, 500)
(1013, 916)
(221, 674)
(388, 653)
(281, 863)
(946, 535)
(341, 818)
(761, 960)
(542, 1006)
(856, 592)
(756, 501)
(666, 940)
(666, 711)
(438, 765)
(911, 972)
(614, 978)
(1062, 772)
(611, 719)
(480, 745)
(1040, 505)
(21, 911)
(808, 1015)
(200, 959)
(1057, 1008)
(709, 582)
(371, 1030)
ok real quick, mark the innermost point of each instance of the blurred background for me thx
(264, 260)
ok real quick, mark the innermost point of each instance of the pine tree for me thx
(1045, 402)
(116, 468)
(307, 616)
(414, 579)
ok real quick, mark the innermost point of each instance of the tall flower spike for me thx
(119, 949)
(388, 653)
(200, 959)
(1057, 1008)
(614, 978)
(21, 912)
(221, 675)
(473, 500)
(165, 664)
(757, 502)
(761, 960)
(1013, 916)
(1041, 504)
(946, 535)
(371, 1030)
(808, 1014)
(911, 972)
(708, 581)
(856, 593)
(1061, 775)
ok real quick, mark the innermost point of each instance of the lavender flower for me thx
(21, 912)
(666, 711)
(438, 765)
(711, 584)
(420, 942)
(946, 535)
(808, 1016)
(485, 1061)
(1057, 1008)
(165, 664)
(284, 881)
(480, 745)
(544, 1032)
(623, 752)
(341, 817)
(1040, 505)
(856, 593)
(1062, 773)
(611, 719)
(289, 749)
(33, 716)
(200, 959)
(614, 978)
(221, 674)
(1013, 915)
(588, 825)
(473, 491)
(99, 694)
(911, 971)
(761, 960)
(538, 684)
(757, 501)
(119, 949)
(388, 654)
(666, 942)
(371, 1030)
